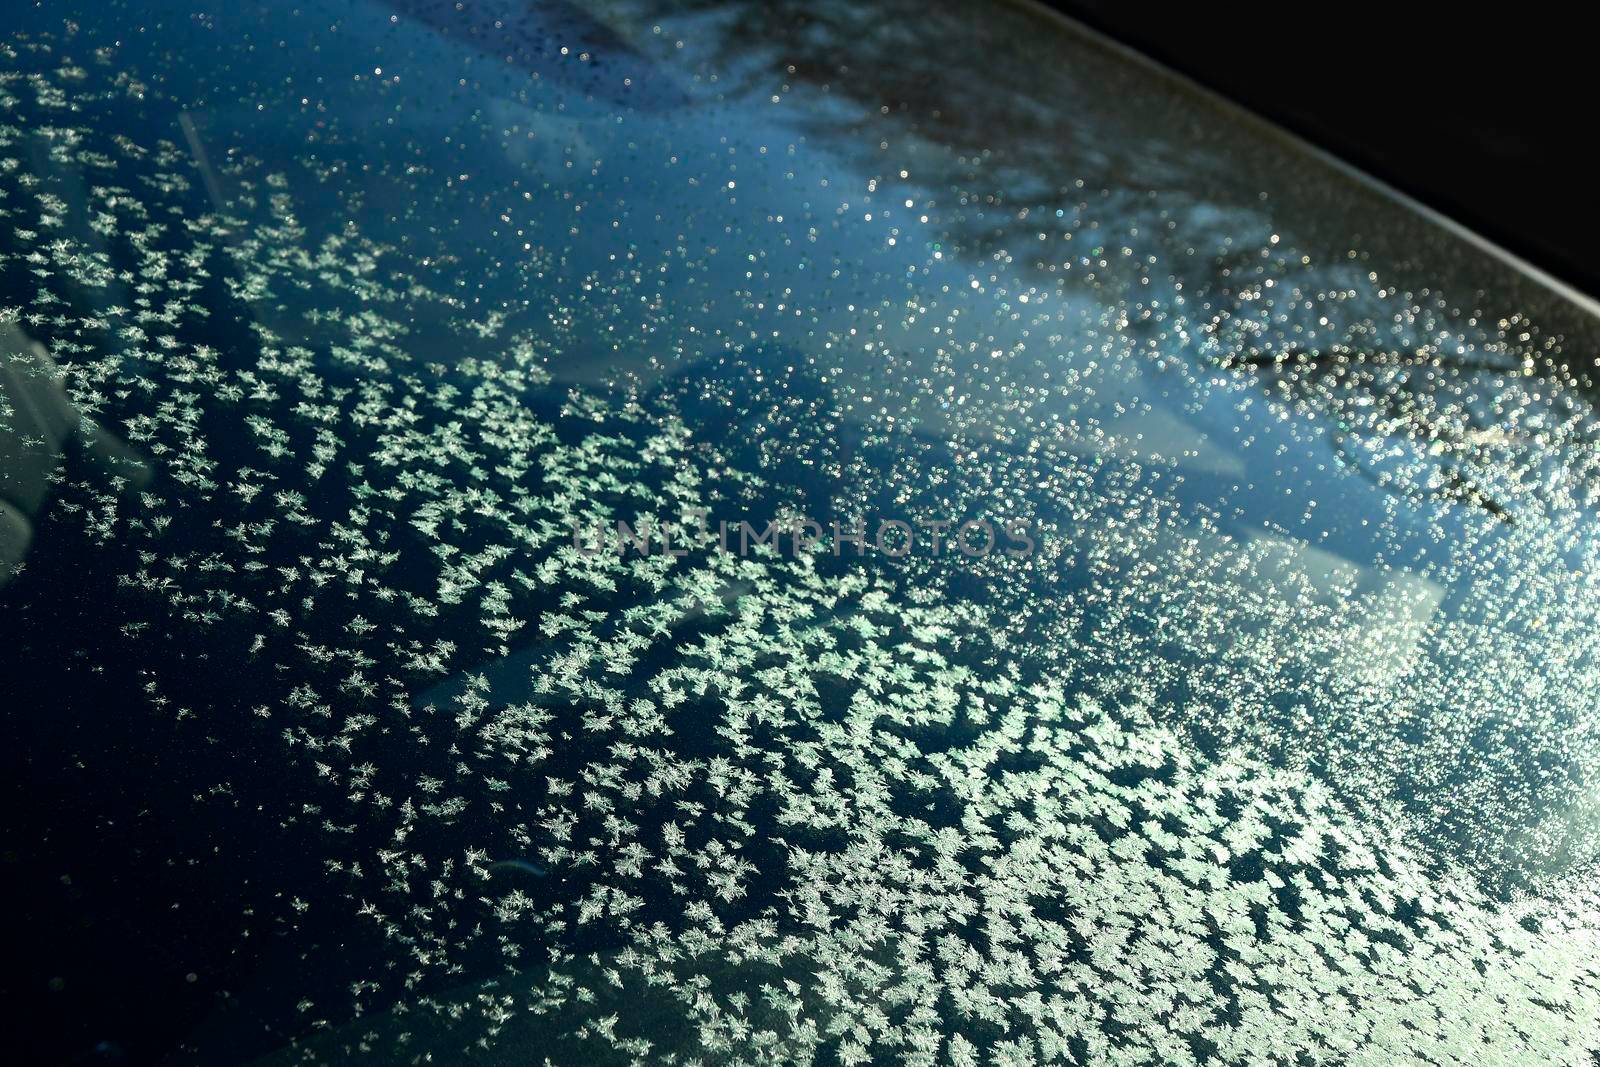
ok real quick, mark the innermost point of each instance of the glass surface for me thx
(1216, 681)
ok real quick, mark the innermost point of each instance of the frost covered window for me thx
(710, 533)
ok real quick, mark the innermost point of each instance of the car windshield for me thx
(711, 533)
